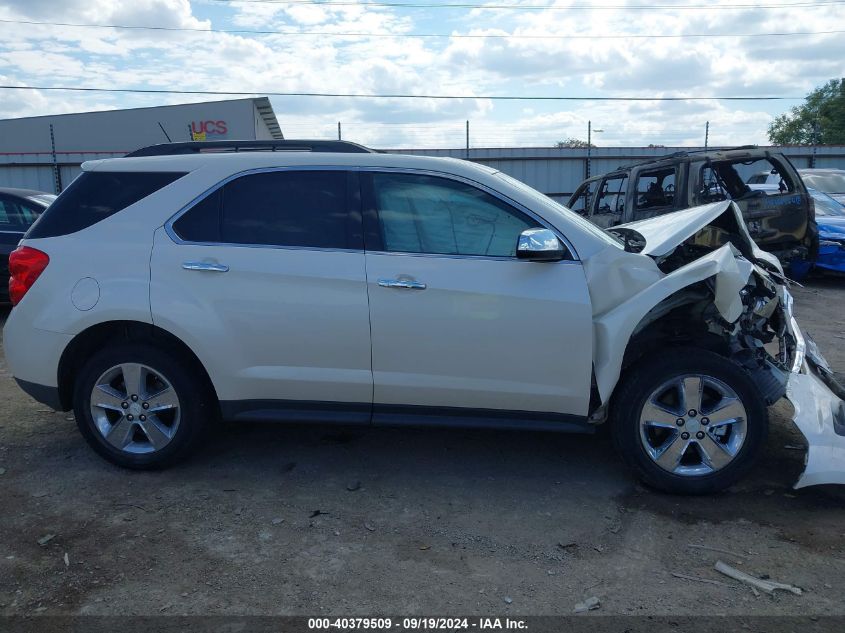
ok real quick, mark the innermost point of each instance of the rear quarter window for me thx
(95, 196)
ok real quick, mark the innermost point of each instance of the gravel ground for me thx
(307, 521)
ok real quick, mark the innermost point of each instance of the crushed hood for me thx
(659, 236)
(665, 232)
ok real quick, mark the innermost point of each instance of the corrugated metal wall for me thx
(557, 172)
(34, 170)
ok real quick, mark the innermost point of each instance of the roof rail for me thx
(209, 147)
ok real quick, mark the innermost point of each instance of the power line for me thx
(389, 96)
(423, 35)
(532, 7)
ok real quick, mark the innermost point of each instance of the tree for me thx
(820, 120)
(573, 143)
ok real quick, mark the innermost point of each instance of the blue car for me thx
(830, 216)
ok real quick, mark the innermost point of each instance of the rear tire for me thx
(141, 407)
(680, 444)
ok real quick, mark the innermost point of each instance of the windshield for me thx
(558, 210)
(829, 183)
(825, 205)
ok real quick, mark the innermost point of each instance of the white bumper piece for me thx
(820, 416)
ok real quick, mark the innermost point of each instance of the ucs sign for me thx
(208, 128)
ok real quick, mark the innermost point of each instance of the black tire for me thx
(195, 403)
(644, 378)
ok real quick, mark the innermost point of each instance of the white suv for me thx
(192, 282)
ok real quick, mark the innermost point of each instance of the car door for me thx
(462, 329)
(264, 279)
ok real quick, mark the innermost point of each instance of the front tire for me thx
(140, 407)
(688, 421)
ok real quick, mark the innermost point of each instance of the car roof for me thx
(235, 162)
(23, 193)
(728, 153)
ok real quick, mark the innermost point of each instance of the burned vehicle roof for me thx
(746, 151)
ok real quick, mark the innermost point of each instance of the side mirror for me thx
(539, 245)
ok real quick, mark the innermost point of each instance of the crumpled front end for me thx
(797, 371)
(705, 269)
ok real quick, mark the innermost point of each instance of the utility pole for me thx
(57, 174)
(467, 151)
(339, 135)
(589, 148)
(815, 143)
(706, 134)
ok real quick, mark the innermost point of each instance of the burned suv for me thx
(782, 223)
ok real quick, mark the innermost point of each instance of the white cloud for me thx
(565, 65)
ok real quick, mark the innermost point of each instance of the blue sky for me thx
(573, 62)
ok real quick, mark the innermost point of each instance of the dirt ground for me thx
(310, 521)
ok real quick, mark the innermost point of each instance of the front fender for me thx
(613, 329)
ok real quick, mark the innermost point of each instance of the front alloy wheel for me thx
(688, 420)
(693, 425)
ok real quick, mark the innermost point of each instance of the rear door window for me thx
(95, 196)
(655, 193)
(730, 180)
(292, 208)
(30, 213)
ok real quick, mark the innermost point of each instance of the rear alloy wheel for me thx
(135, 408)
(141, 407)
(689, 421)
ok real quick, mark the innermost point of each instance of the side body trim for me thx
(358, 413)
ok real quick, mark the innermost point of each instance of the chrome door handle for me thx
(214, 268)
(401, 283)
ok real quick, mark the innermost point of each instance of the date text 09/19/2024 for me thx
(417, 623)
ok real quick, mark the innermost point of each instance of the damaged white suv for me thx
(192, 282)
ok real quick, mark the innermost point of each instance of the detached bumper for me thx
(819, 415)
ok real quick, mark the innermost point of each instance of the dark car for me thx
(19, 208)
(783, 224)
